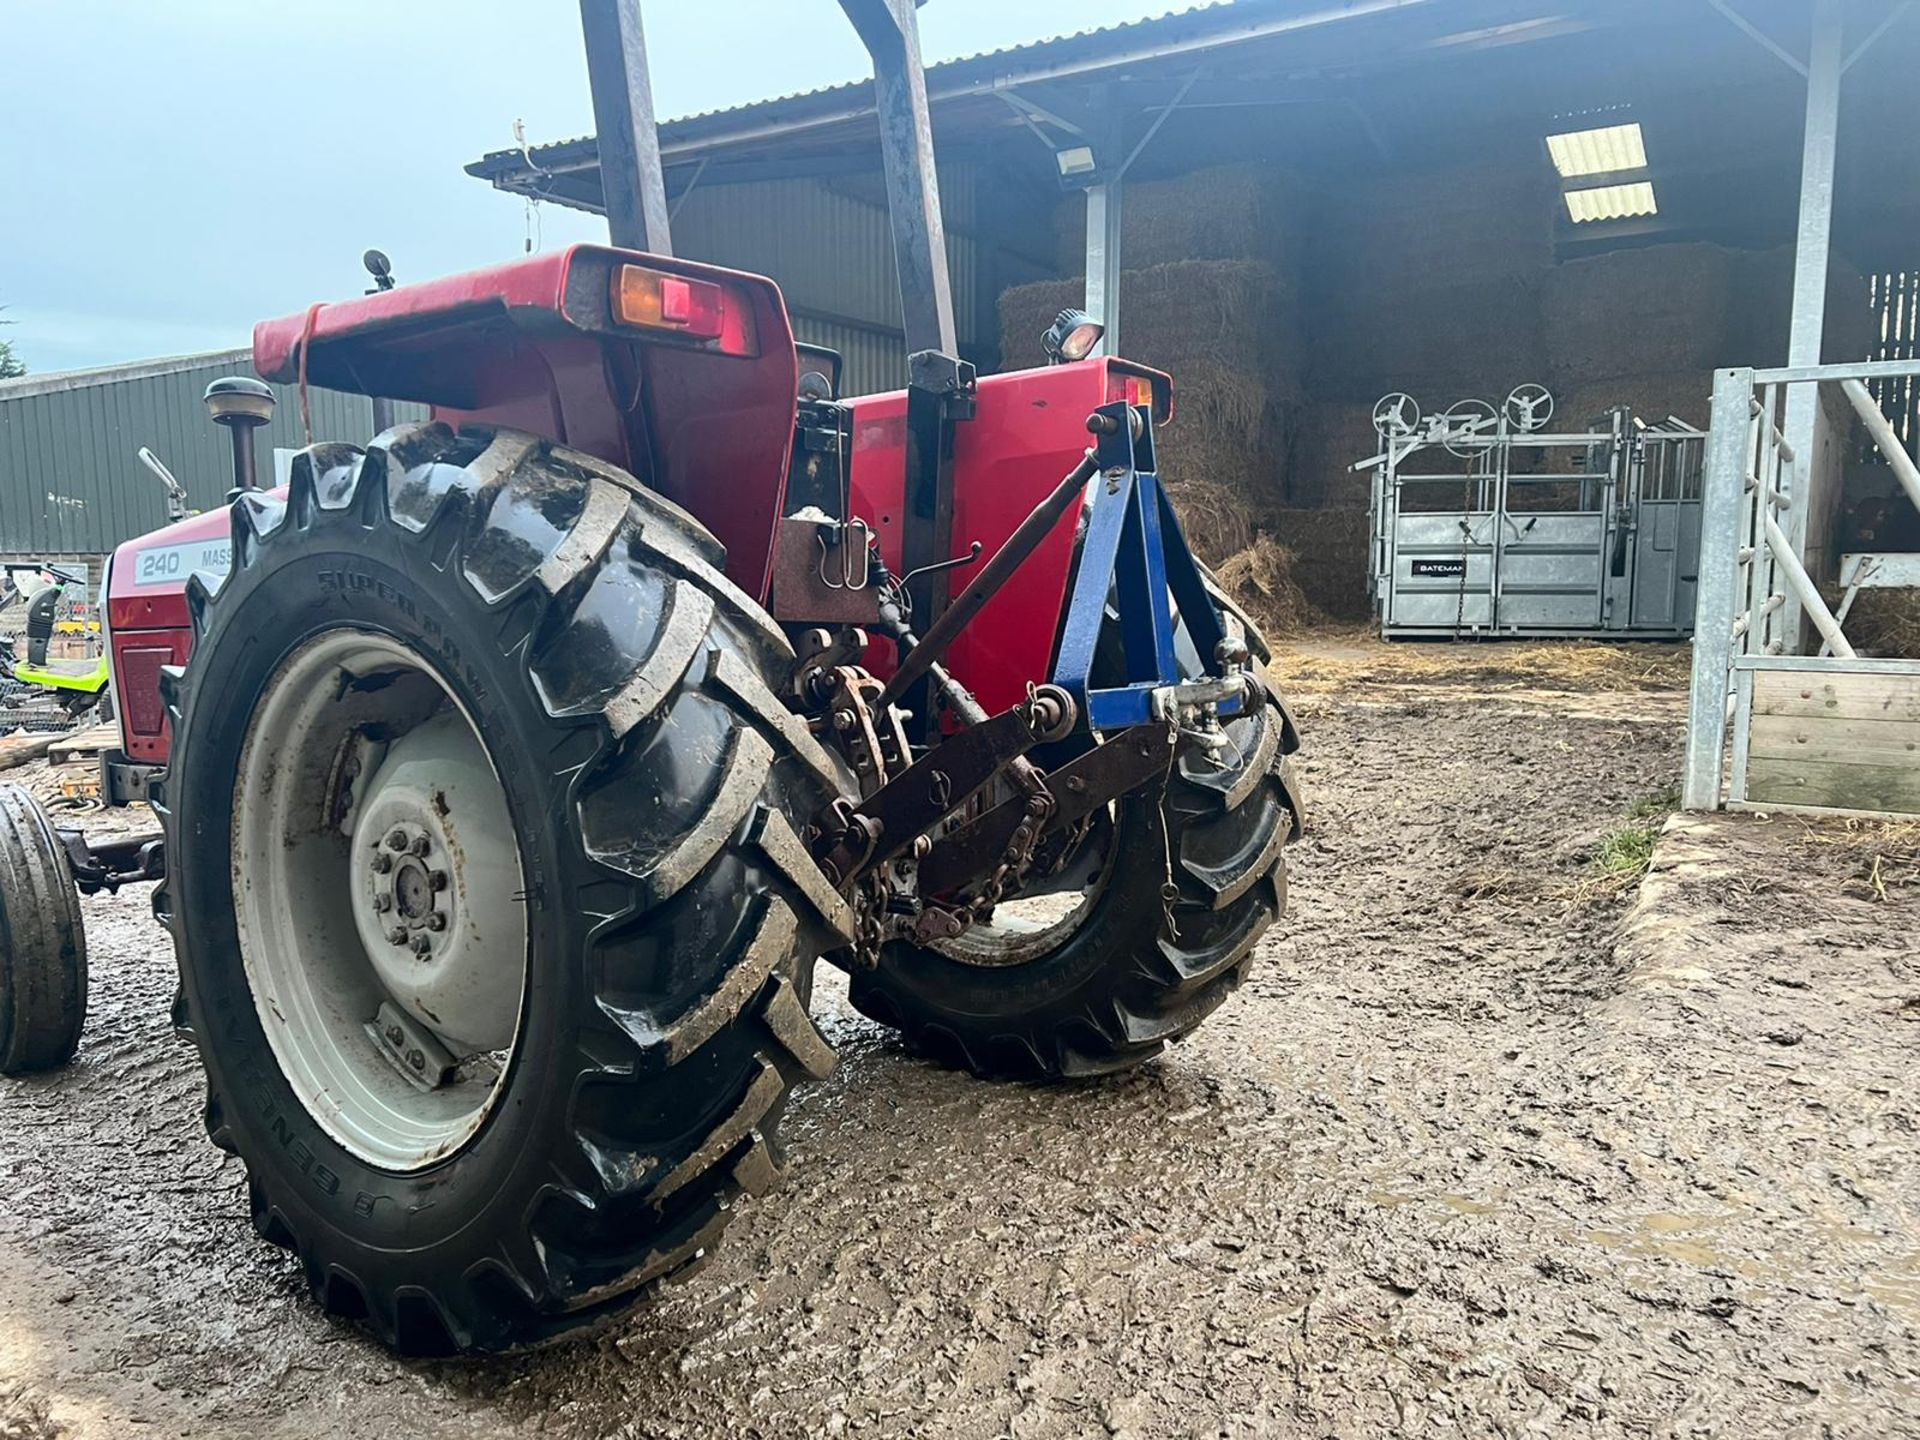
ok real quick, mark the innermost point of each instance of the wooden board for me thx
(1837, 740)
(84, 744)
(1857, 742)
(18, 749)
(1830, 785)
(1849, 695)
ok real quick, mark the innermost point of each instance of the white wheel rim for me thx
(1030, 927)
(378, 899)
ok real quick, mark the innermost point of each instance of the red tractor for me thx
(516, 769)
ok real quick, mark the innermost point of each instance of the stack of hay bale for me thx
(1430, 283)
(1647, 327)
(1641, 327)
(1427, 283)
(1212, 298)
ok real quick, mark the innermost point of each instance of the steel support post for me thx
(1103, 261)
(1811, 248)
(1722, 499)
(892, 36)
(1103, 232)
(633, 183)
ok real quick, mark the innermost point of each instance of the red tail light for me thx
(655, 300)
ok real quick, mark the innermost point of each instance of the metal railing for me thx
(1754, 587)
(1531, 529)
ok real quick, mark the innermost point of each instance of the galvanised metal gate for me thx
(1526, 531)
(1769, 728)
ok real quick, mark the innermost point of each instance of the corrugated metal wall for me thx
(832, 254)
(69, 480)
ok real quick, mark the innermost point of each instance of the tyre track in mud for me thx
(1450, 1159)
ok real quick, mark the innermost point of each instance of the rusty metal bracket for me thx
(109, 864)
(942, 780)
(1083, 785)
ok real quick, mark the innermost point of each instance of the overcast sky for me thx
(176, 169)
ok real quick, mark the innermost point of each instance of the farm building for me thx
(1297, 207)
(71, 484)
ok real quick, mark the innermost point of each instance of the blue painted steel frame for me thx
(1135, 557)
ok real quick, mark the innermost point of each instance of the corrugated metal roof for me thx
(1005, 52)
(1612, 202)
(1607, 150)
(1224, 22)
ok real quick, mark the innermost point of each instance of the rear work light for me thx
(654, 300)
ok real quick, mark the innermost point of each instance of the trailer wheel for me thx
(495, 934)
(1102, 973)
(43, 943)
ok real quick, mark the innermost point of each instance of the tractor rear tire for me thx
(661, 925)
(1142, 968)
(43, 942)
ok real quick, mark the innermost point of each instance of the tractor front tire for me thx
(477, 678)
(43, 942)
(1145, 965)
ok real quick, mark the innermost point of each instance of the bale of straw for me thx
(1228, 315)
(1216, 518)
(1471, 224)
(1655, 310)
(1446, 340)
(1886, 624)
(1330, 550)
(1762, 311)
(1234, 315)
(1026, 311)
(1331, 438)
(1684, 394)
(1242, 211)
(1260, 580)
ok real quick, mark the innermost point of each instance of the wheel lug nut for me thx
(397, 936)
(436, 921)
(382, 863)
(421, 944)
(437, 879)
(416, 1059)
(383, 902)
(396, 840)
(421, 845)
(395, 1035)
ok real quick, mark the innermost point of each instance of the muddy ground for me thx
(1475, 1150)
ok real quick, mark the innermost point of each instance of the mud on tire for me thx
(1142, 969)
(621, 687)
(43, 943)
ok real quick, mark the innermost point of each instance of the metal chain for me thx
(1014, 861)
(870, 903)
